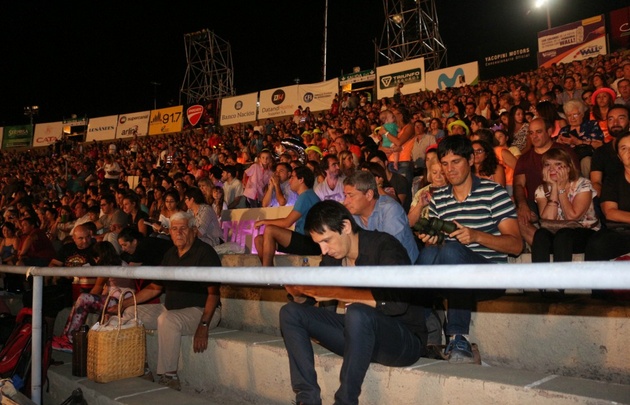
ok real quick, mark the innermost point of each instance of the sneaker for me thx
(459, 350)
(62, 343)
(148, 375)
(171, 382)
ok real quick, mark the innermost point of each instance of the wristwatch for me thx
(203, 323)
(561, 191)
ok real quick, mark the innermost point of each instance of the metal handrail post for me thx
(36, 364)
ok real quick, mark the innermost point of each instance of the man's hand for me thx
(525, 215)
(464, 235)
(200, 341)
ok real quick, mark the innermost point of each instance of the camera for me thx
(435, 226)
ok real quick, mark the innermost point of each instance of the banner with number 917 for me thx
(166, 120)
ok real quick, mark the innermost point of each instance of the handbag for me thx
(554, 225)
(116, 349)
(583, 151)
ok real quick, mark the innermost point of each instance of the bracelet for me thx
(552, 202)
(561, 191)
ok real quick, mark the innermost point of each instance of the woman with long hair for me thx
(486, 164)
(505, 157)
(548, 112)
(104, 255)
(170, 207)
(9, 244)
(567, 198)
(218, 204)
(346, 163)
(517, 128)
(384, 188)
(131, 207)
(208, 228)
(436, 128)
(403, 142)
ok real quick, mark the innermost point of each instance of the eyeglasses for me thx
(479, 151)
(170, 201)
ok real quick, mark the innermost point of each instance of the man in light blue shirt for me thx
(376, 212)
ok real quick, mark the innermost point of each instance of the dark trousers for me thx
(562, 244)
(606, 244)
(361, 336)
(461, 302)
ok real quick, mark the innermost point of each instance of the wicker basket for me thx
(118, 352)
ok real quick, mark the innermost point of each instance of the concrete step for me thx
(252, 368)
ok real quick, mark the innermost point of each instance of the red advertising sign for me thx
(194, 114)
(620, 29)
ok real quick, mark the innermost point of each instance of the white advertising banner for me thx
(454, 76)
(47, 133)
(318, 96)
(278, 102)
(410, 73)
(134, 122)
(101, 128)
(235, 110)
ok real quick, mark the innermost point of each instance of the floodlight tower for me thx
(210, 73)
(411, 31)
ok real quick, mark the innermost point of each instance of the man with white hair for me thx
(190, 308)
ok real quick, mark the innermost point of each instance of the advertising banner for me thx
(235, 110)
(454, 76)
(410, 73)
(620, 29)
(17, 136)
(575, 41)
(318, 96)
(357, 77)
(166, 120)
(128, 124)
(47, 133)
(278, 102)
(102, 128)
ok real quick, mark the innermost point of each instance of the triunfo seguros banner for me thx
(410, 73)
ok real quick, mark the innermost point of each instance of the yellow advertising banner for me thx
(166, 120)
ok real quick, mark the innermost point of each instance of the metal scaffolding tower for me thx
(210, 73)
(411, 31)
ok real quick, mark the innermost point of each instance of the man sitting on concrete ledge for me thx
(190, 308)
(380, 325)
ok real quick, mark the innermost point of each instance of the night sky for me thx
(99, 57)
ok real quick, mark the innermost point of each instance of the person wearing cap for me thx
(602, 100)
(313, 153)
(332, 186)
(458, 127)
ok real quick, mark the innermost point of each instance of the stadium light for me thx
(539, 4)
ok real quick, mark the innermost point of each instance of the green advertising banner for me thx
(17, 136)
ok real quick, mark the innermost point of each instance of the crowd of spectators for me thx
(553, 139)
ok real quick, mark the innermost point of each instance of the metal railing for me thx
(570, 275)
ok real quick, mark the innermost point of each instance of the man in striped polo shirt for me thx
(487, 231)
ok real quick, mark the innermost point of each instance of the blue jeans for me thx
(361, 336)
(460, 302)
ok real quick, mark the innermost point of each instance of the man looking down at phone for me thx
(486, 231)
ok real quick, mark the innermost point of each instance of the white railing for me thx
(570, 275)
